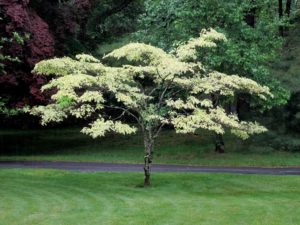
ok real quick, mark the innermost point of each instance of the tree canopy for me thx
(150, 85)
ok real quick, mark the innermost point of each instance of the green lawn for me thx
(46, 197)
(70, 144)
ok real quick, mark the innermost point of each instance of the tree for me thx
(111, 22)
(288, 7)
(284, 15)
(251, 28)
(153, 87)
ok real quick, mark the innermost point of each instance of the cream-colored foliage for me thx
(207, 39)
(83, 111)
(198, 119)
(246, 129)
(56, 66)
(67, 85)
(223, 84)
(216, 82)
(67, 66)
(122, 128)
(152, 86)
(49, 113)
(151, 61)
(91, 96)
(216, 120)
(206, 103)
(99, 127)
(140, 54)
(70, 82)
(191, 103)
(127, 100)
(62, 93)
(87, 58)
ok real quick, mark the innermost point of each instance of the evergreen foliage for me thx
(111, 19)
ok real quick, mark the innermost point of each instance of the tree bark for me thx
(280, 14)
(288, 7)
(219, 142)
(149, 144)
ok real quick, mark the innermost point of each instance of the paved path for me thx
(96, 166)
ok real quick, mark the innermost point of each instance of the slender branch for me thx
(125, 110)
(120, 116)
(114, 10)
(158, 74)
(152, 91)
(162, 96)
(164, 92)
(163, 80)
(176, 92)
(158, 131)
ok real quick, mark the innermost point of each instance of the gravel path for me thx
(113, 167)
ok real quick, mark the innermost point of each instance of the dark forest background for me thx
(263, 44)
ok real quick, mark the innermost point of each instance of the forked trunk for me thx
(148, 160)
(219, 142)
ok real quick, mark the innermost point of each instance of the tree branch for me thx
(158, 131)
(127, 111)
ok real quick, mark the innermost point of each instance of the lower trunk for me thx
(218, 137)
(148, 161)
(219, 142)
(147, 170)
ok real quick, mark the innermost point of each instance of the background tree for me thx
(153, 87)
(284, 12)
(249, 49)
(111, 23)
(253, 42)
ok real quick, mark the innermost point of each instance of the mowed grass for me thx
(50, 197)
(171, 148)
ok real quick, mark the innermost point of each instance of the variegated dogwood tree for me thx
(153, 87)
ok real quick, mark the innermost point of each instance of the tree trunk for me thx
(149, 144)
(219, 142)
(250, 16)
(280, 14)
(287, 13)
(288, 7)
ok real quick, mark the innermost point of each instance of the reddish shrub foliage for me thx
(47, 26)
